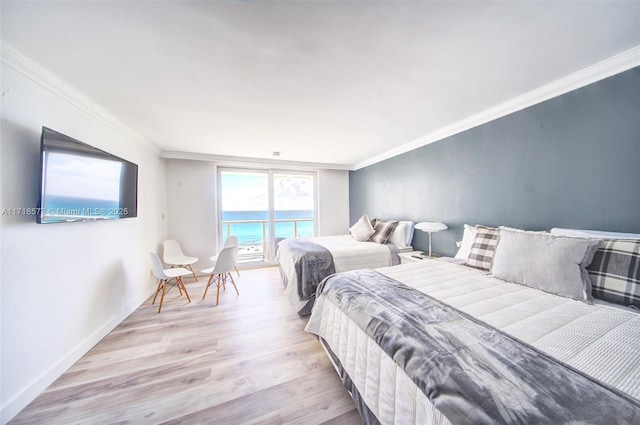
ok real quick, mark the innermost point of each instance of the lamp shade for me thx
(431, 226)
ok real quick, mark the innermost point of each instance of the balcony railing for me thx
(253, 235)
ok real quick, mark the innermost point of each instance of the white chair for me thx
(166, 277)
(174, 256)
(231, 241)
(221, 271)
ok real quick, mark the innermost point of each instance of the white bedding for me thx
(600, 341)
(348, 254)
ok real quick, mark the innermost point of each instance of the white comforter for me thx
(348, 254)
(601, 341)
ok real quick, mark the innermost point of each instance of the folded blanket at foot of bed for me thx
(312, 262)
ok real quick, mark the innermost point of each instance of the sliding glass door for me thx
(294, 205)
(244, 211)
(255, 204)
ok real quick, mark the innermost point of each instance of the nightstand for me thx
(414, 256)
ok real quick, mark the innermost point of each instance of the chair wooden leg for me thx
(234, 285)
(181, 283)
(192, 272)
(233, 282)
(178, 285)
(157, 290)
(237, 271)
(206, 288)
(218, 291)
(164, 287)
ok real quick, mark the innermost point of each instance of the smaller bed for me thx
(305, 262)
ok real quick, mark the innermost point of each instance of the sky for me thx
(248, 191)
(83, 177)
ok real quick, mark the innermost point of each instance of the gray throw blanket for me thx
(313, 263)
(471, 372)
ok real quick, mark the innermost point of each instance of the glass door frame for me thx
(268, 259)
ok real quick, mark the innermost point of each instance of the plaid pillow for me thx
(615, 272)
(483, 248)
(382, 231)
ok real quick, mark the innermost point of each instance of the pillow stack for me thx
(396, 232)
(540, 260)
(576, 264)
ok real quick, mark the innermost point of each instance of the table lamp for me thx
(430, 227)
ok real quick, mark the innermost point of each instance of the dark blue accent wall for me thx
(572, 161)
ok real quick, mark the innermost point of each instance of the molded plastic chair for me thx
(231, 241)
(221, 271)
(166, 277)
(173, 255)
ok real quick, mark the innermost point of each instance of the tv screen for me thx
(79, 182)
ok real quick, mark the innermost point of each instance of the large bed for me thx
(305, 262)
(434, 342)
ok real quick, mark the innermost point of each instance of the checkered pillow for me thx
(615, 272)
(382, 231)
(483, 248)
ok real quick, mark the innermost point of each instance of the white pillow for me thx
(597, 234)
(362, 229)
(402, 235)
(409, 232)
(468, 237)
(553, 264)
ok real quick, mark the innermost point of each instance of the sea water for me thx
(252, 227)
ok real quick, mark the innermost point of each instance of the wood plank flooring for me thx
(246, 361)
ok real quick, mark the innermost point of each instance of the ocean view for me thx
(63, 208)
(251, 227)
(54, 202)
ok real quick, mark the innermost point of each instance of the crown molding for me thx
(28, 68)
(601, 70)
(24, 65)
(248, 161)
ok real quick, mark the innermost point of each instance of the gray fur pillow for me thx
(553, 264)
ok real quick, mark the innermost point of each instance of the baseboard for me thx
(19, 402)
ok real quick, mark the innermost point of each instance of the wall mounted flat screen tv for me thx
(79, 182)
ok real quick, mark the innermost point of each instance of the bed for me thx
(305, 262)
(435, 342)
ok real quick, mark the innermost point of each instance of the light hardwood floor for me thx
(246, 361)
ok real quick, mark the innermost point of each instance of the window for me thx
(255, 204)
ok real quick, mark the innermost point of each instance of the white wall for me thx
(64, 286)
(191, 208)
(333, 202)
(191, 204)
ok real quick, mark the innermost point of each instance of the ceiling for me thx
(332, 82)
